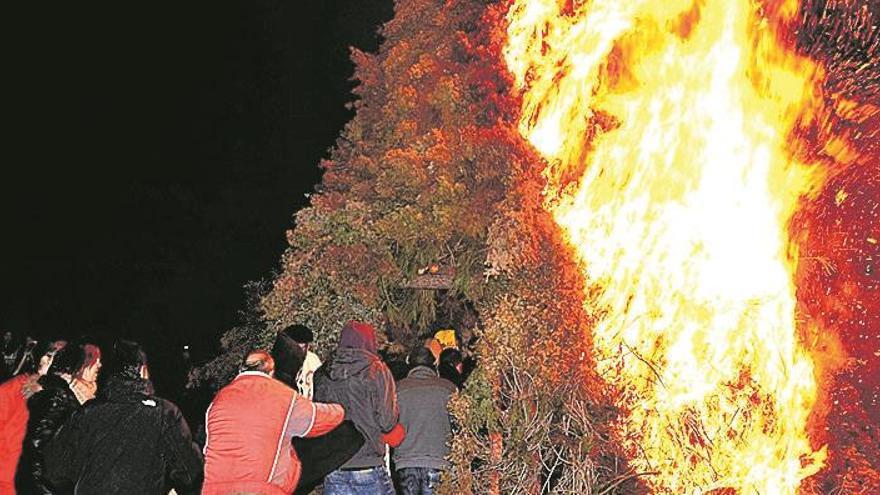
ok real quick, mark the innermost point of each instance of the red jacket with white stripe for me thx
(249, 429)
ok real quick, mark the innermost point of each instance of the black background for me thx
(157, 154)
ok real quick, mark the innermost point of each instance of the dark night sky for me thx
(158, 154)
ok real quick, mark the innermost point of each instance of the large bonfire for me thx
(676, 117)
(664, 216)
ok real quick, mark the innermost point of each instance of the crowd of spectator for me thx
(72, 423)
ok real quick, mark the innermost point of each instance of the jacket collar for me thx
(125, 389)
(254, 373)
(422, 372)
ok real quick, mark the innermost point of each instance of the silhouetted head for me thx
(451, 357)
(421, 356)
(130, 360)
(68, 360)
(451, 366)
(300, 334)
(289, 353)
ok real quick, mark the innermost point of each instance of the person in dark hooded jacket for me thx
(48, 410)
(126, 440)
(357, 378)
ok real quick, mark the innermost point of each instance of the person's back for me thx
(356, 378)
(250, 425)
(423, 398)
(126, 440)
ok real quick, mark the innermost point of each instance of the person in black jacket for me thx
(48, 410)
(126, 440)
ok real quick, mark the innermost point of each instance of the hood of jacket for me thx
(119, 388)
(358, 335)
(348, 362)
(355, 353)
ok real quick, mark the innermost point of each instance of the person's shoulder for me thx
(426, 384)
(447, 384)
(93, 411)
(50, 390)
(15, 382)
(96, 404)
(51, 399)
(378, 367)
(443, 382)
(165, 406)
(407, 383)
(53, 383)
(247, 388)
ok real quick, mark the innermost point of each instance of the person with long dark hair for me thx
(85, 381)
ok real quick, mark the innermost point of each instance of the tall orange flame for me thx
(673, 117)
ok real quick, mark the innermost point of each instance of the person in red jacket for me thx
(14, 394)
(250, 425)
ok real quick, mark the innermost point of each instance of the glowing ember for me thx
(666, 127)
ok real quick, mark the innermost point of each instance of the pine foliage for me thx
(432, 171)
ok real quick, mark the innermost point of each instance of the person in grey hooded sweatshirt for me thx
(357, 378)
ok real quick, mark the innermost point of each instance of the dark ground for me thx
(157, 154)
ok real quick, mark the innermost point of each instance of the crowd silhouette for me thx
(79, 419)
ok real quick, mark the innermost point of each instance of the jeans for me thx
(368, 481)
(418, 481)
